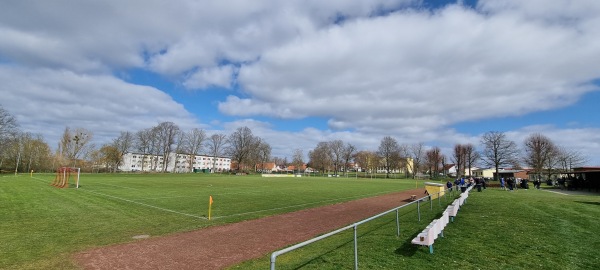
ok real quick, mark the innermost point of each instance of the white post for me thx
(18, 161)
(77, 183)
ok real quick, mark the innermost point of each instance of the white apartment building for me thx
(177, 163)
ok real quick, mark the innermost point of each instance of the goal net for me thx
(66, 176)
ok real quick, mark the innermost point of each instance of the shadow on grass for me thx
(592, 203)
(320, 257)
(408, 249)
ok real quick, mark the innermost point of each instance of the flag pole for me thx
(210, 201)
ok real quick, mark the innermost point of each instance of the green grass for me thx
(526, 229)
(41, 225)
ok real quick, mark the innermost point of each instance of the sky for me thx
(301, 72)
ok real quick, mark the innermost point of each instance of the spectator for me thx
(449, 185)
(502, 183)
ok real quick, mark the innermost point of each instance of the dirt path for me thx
(222, 246)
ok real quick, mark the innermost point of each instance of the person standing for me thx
(502, 183)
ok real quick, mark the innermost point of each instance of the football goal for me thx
(66, 176)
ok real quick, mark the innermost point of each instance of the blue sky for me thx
(301, 72)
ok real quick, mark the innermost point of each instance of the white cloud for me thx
(415, 71)
(584, 140)
(170, 38)
(371, 68)
(44, 101)
(216, 76)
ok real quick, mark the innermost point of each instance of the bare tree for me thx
(320, 157)
(144, 144)
(347, 154)
(166, 134)
(540, 151)
(336, 151)
(241, 143)
(568, 159)
(443, 161)
(110, 156)
(498, 150)
(75, 143)
(23, 152)
(279, 162)
(389, 152)
(263, 152)
(193, 141)
(36, 153)
(471, 157)
(216, 145)
(8, 126)
(8, 131)
(433, 158)
(459, 158)
(123, 144)
(367, 160)
(260, 152)
(298, 159)
(417, 153)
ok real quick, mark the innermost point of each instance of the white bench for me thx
(436, 227)
(453, 209)
(427, 236)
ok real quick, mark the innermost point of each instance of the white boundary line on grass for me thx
(214, 194)
(139, 203)
(558, 192)
(233, 215)
(115, 186)
(147, 205)
(44, 180)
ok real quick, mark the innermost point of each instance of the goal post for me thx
(65, 175)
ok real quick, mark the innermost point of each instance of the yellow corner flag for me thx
(210, 202)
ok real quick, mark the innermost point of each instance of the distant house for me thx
(292, 168)
(450, 169)
(512, 173)
(178, 163)
(484, 172)
(267, 167)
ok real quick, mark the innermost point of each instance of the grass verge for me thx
(526, 229)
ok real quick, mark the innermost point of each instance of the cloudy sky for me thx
(299, 72)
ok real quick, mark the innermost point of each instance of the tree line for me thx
(23, 152)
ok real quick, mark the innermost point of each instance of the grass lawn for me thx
(525, 229)
(41, 225)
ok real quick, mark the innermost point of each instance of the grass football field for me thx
(42, 225)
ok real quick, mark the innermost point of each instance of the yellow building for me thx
(484, 172)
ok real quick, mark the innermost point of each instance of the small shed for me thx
(435, 189)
